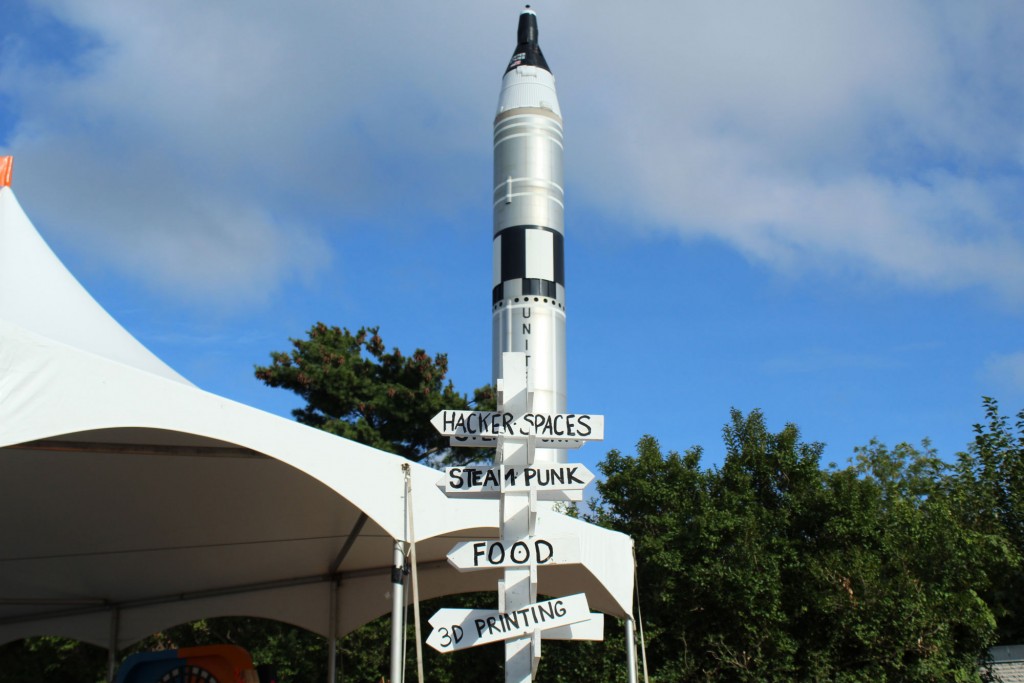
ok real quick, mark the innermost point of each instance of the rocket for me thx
(528, 313)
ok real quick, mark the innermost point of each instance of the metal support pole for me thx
(115, 618)
(631, 649)
(332, 635)
(397, 613)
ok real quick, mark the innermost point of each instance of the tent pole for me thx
(397, 613)
(332, 635)
(631, 649)
(115, 617)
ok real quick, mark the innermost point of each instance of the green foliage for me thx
(356, 389)
(774, 569)
(571, 662)
(990, 494)
(53, 660)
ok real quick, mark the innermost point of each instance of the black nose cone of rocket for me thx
(527, 49)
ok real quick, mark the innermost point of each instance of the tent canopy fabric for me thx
(130, 496)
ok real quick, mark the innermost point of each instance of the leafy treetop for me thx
(355, 388)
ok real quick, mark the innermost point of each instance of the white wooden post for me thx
(520, 588)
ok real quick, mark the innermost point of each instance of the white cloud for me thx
(216, 142)
(208, 149)
(877, 136)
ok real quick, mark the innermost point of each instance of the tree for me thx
(356, 389)
(771, 568)
(990, 494)
(53, 660)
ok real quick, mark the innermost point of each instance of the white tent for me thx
(131, 500)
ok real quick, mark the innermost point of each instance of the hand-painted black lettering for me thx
(496, 558)
(478, 552)
(543, 477)
(519, 553)
(544, 551)
(491, 479)
(527, 426)
(585, 428)
(455, 478)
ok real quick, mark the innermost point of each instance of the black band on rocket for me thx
(530, 261)
(531, 251)
(526, 287)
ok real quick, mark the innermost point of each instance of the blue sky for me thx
(807, 208)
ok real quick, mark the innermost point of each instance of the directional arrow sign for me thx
(458, 629)
(593, 629)
(492, 442)
(571, 426)
(471, 555)
(480, 481)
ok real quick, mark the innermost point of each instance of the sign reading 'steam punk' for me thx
(574, 426)
(480, 480)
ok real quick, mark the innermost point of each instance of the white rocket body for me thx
(529, 255)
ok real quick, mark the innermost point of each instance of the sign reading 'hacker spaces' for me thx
(477, 423)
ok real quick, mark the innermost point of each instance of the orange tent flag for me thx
(6, 169)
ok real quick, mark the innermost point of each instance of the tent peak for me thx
(38, 293)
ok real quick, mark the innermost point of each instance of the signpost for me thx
(519, 481)
(458, 629)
